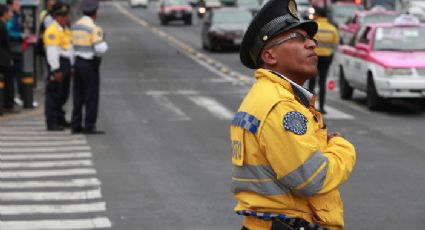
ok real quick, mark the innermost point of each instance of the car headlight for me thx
(398, 71)
(311, 10)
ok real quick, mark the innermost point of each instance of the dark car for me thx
(224, 28)
(251, 5)
(170, 10)
(340, 12)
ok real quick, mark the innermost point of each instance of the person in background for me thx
(89, 44)
(17, 37)
(45, 19)
(57, 41)
(328, 39)
(6, 58)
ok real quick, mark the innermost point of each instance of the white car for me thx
(142, 3)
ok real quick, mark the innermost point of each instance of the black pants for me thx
(323, 68)
(17, 72)
(9, 88)
(57, 94)
(85, 93)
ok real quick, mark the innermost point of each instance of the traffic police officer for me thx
(328, 39)
(89, 45)
(57, 42)
(287, 169)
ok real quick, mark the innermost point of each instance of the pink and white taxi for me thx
(362, 17)
(386, 60)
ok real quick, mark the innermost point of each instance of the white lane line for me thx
(44, 149)
(50, 196)
(169, 106)
(22, 123)
(45, 173)
(89, 182)
(41, 143)
(335, 114)
(70, 224)
(56, 209)
(45, 156)
(33, 133)
(213, 106)
(23, 128)
(41, 138)
(46, 164)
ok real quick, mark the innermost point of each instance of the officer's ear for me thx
(268, 56)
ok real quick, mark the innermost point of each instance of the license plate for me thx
(178, 14)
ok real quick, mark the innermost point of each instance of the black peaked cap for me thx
(60, 8)
(274, 18)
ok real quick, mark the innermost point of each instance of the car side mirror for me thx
(362, 47)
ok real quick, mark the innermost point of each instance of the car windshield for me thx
(344, 10)
(175, 2)
(248, 3)
(378, 18)
(400, 38)
(232, 17)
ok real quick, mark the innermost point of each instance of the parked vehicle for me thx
(340, 12)
(135, 3)
(224, 28)
(360, 18)
(252, 5)
(305, 9)
(386, 60)
(170, 10)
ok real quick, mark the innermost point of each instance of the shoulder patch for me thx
(295, 122)
(51, 36)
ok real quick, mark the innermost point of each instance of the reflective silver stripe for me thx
(315, 185)
(268, 188)
(253, 172)
(304, 171)
(83, 48)
(325, 31)
(83, 28)
(326, 45)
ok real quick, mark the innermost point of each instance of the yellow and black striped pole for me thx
(28, 89)
(1, 93)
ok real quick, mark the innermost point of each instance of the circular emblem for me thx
(295, 122)
(265, 37)
(292, 7)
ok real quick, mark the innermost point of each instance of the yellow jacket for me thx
(57, 42)
(88, 38)
(327, 36)
(282, 161)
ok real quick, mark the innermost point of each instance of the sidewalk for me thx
(38, 97)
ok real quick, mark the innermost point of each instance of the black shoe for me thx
(323, 111)
(93, 131)
(76, 130)
(65, 124)
(55, 128)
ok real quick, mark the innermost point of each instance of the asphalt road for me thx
(164, 161)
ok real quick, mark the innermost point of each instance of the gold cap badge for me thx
(292, 7)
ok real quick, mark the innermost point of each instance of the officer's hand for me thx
(57, 76)
(334, 134)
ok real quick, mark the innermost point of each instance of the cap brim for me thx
(309, 26)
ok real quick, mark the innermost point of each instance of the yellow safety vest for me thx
(327, 37)
(56, 36)
(282, 161)
(85, 34)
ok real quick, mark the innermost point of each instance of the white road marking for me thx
(41, 143)
(44, 149)
(41, 138)
(33, 133)
(89, 182)
(169, 106)
(23, 128)
(46, 173)
(24, 123)
(46, 164)
(50, 196)
(68, 224)
(335, 114)
(213, 107)
(53, 208)
(45, 156)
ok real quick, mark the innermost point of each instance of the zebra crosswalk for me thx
(48, 180)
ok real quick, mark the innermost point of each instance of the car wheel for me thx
(345, 91)
(188, 21)
(164, 21)
(373, 100)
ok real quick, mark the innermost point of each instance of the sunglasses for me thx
(293, 36)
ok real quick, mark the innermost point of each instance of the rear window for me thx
(400, 39)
